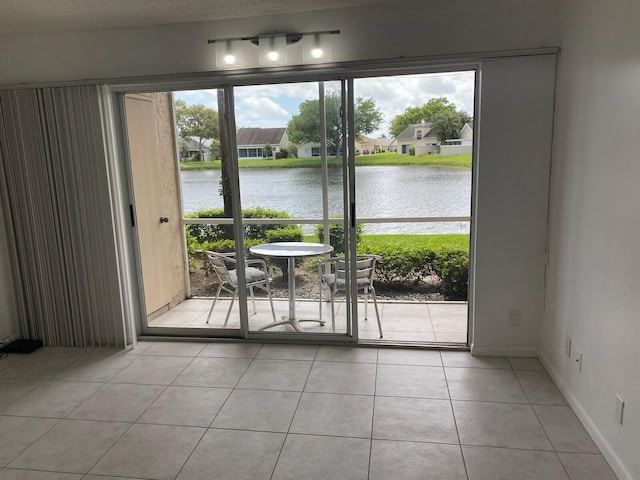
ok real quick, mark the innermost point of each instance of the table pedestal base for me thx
(294, 322)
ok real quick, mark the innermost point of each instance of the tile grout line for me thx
(531, 405)
(455, 422)
(373, 414)
(235, 387)
(134, 423)
(286, 434)
(206, 429)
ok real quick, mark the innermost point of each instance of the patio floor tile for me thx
(402, 356)
(484, 384)
(581, 466)
(320, 458)
(233, 455)
(411, 381)
(186, 406)
(540, 388)
(414, 419)
(156, 452)
(411, 460)
(24, 431)
(72, 446)
(268, 411)
(334, 414)
(499, 425)
(464, 359)
(342, 377)
(485, 463)
(213, 372)
(564, 429)
(276, 375)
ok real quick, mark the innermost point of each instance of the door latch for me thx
(164, 220)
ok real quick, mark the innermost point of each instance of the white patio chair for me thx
(332, 275)
(228, 279)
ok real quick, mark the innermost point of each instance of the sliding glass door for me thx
(280, 229)
(292, 174)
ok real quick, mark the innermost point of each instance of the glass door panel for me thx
(289, 142)
(207, 216)
(413, 190)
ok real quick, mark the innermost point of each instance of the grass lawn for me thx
(453, 161)
(451, 241)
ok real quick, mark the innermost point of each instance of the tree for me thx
(425, 113)
(197, 122)
(268, 150)
(305, 126)
(446, 125)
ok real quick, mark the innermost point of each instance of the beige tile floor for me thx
(410, 322)
(177, 410)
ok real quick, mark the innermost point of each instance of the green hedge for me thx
(215, 237)
(336, 236)
(405, 266)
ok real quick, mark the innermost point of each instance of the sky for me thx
(273, 105)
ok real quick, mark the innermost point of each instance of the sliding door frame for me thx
(346, 76)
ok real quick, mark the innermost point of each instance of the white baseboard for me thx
(614, 461)
(501, 351)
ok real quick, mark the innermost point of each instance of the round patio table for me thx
(291, 251)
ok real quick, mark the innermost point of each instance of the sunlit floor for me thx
(444, 322)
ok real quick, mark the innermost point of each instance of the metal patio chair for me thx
(256, 276)
(332, 275)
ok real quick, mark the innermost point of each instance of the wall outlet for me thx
(515, 317)
(619, 409)
(567, 346)
(579, 359)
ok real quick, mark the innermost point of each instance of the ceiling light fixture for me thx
(273, 48)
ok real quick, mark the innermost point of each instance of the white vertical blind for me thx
(56, 192)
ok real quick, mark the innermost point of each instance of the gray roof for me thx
(410, 131)
(192, 144)
(260, 136)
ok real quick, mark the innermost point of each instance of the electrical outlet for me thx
(515, 317)
(567, 346)
(619, 409)
(579, 359)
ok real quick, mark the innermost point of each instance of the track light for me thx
(316, 47)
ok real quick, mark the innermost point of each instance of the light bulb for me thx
(229, 59)
(316, 53)
(273, 56)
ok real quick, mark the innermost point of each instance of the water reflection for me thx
(381, 191)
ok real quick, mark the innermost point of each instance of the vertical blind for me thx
(57, 199)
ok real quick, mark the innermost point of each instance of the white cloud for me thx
(255, 111)
(393, 95)
(273, 105)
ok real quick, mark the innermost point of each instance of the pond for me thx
(381, 192)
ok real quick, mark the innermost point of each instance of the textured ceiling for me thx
(39, 16)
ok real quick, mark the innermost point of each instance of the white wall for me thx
(516, 115)
(594, 271)
(448, 150)
(366, 33)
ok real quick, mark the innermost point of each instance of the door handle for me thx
(164, 220)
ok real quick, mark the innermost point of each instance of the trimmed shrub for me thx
(400, 266)
(291, 234)
(453, 269)
(214, 237)
(336, 235)
(412, 150)
(213, 233)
